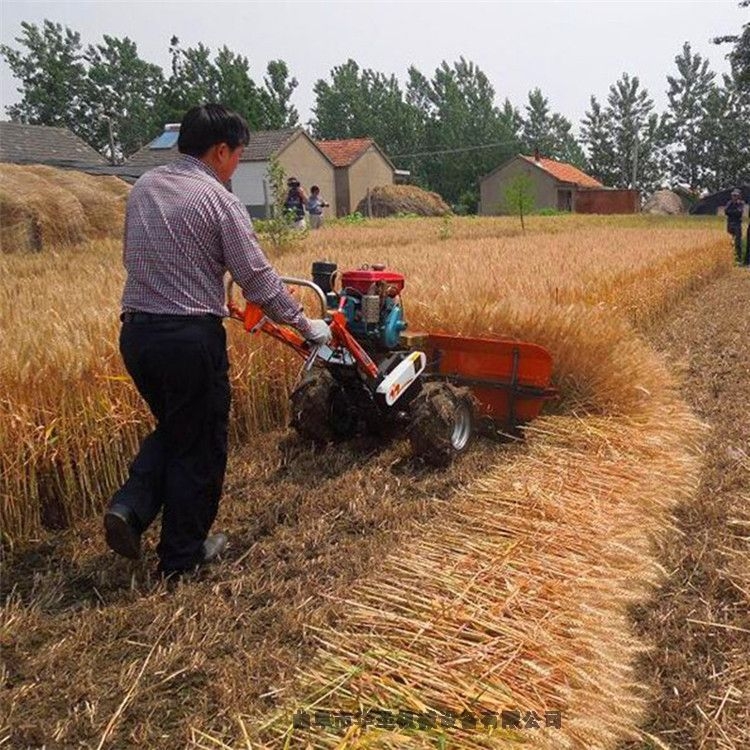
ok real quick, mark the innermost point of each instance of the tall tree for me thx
(236, 89)
(725, 133)
(197, 77)
(52, 74)
(121, 91)
(550, 133)
(361, 103)
(688, 94)
(194, 79)
(626, 140)
(739, 57)
(466, 132)
(597, 134)
(715, 127)
(279, 112)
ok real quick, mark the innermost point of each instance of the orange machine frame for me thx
(509, 379)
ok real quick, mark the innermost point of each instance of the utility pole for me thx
(635, 161)
(111, 139)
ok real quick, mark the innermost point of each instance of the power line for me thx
(454, 150)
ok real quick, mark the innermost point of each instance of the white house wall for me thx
(247, 185)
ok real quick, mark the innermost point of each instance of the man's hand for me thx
(320, 332)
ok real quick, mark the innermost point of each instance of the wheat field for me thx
(509, 589)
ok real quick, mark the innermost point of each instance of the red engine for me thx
(363, 278)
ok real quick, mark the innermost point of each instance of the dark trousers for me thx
(180, 368)
(736, 231)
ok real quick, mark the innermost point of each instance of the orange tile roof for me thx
(344, 152)
(565, 172)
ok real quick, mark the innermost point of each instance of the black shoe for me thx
(213, 547)
(121, 531)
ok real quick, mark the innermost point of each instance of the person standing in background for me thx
(315, 206)
(295, 202)
(733, 211)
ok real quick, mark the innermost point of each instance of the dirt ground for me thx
(699, 622)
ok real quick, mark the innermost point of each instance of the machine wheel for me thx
(442, 423)
(320, 410)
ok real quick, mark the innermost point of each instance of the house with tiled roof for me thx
(43, 144)
(360, 165)
(297, 153)
(556, 185)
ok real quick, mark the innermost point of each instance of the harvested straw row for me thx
(42, 207)
(518, 599)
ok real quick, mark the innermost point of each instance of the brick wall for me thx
(607, 202)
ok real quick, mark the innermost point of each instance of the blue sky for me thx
(570, 49)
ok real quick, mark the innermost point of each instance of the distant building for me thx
(43, 144)
(360, 165)
(297, 153)
(557, 185)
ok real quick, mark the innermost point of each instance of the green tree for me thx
(714, 130)
(194, 79)
(197, 77)
(549, 133)
(725, 135)
(364, 103)
(465, 134)
(279, 229)
(739, 57)
(236, 89)
(123, 89)
(519, 197)
(597, 135)
(279, 112)
(627, 139)
(688, 94)
(52, 73)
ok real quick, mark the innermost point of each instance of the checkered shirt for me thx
(183, 230)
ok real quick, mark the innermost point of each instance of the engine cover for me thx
(363, 278)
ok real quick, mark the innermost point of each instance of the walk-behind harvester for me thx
(375, 377)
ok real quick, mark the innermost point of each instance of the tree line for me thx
(445, 128)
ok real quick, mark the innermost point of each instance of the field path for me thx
(699, 621)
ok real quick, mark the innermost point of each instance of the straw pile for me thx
(390, 200)
(664, 203)
(42, 207)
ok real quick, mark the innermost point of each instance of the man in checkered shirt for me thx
(183, 230)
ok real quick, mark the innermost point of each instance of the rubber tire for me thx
(312, 410)
(436, 414)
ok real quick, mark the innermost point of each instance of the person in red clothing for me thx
(183, 231)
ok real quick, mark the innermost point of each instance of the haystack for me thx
(390, 200)
(42, 206)
(664, 203)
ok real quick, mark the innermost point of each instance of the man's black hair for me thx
(208, 124)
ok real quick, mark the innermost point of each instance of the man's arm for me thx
(250, 268)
